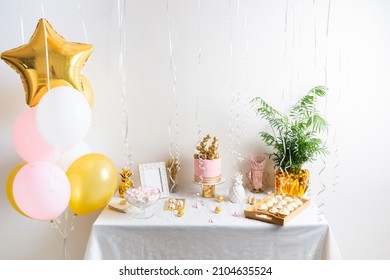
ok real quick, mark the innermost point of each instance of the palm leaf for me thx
(305, 107)
(296, 138)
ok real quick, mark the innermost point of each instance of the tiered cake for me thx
(207, 162)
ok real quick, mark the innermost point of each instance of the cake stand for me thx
(208, 190)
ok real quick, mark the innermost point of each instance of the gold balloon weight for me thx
(48, 56)
(126, 182)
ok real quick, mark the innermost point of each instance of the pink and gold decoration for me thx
(291, 183)
(126, 182)
(56, 123)
(255, 174)
(41, 190)
(93, 181)
(47, 47)
(10, 185)
(207, 166)
(28, 141)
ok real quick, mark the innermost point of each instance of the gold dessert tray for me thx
(119, 206)
(253, 212)
(174, 202)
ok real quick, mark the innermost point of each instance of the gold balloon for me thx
(9, 187)
(87, 91)
(93, 181)
(65, 61)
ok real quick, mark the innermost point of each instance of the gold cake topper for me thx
(210, 152)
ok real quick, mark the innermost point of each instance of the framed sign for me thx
(154, 175)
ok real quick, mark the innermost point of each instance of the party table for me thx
(203, 234)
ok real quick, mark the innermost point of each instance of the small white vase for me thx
(237, 191)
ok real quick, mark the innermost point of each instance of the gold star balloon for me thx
(63, 59)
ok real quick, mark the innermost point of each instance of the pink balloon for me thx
(28, 141)
(41, 190)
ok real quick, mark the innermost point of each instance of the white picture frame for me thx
(154, 175)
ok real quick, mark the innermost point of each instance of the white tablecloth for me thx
(203, 234)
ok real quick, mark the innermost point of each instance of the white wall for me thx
(354, 55)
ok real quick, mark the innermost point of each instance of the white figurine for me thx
(237, 191)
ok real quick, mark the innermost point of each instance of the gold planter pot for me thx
(291, 183)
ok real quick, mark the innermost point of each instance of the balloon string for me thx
(323, 185)
(235, 102)
(95, 108)
(246, 79)
(198, 96)
(173, 70)
(83, 23)
(21, 21)
(63, 230)
(283, 79)
(315, 36)
(199, 76)
(284, 53)
(238, 102)
(299, 41)
(290, 91)
(122, 42)
(231, 82)
(47, 68)
(291, 95)
(336, 151)
(65, 236)
(46, 48)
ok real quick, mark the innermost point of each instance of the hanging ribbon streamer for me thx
(46, 49)
(96, 107)
(235, 102)
(83, 23)
(336, 151)
(21, 22)
(63, 232)
(174, 163)
(122, 73)
(285, 52)
(198, 95)
(63, 229)
(323, 185)
(246, 75)
(283, 79)
(126, 173)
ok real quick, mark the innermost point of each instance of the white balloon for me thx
(63, 117)
(68, 157)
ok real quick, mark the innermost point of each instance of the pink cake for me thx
(207, 171)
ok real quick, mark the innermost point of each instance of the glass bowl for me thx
(140, 198)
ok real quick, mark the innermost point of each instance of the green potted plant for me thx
(295, 140)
